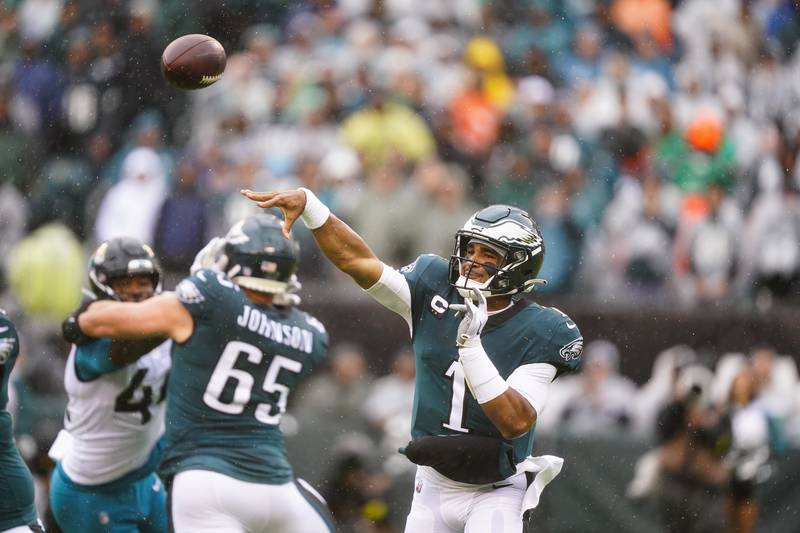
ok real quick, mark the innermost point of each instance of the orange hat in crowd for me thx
(705, 133)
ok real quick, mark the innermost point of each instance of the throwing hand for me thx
(291, 203)
(475, 317)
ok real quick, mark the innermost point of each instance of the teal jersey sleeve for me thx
(93, 360)
(561, 342)
(202, 293)
(9, 349)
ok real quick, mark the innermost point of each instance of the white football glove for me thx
(475, 317)
(211, 257)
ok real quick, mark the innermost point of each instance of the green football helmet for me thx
(259, 257)
(516, 236)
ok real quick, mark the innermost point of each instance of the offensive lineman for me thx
(105, 479)
(17, 513)
(475, 473)
(239, 348)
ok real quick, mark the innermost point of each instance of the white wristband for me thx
(316, 213)
(482, 376)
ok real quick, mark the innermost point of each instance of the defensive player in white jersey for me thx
(107, 453)
(239, 347)
(485, 360)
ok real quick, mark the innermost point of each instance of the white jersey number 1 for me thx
(458, 406)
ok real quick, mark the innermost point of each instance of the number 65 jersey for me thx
(231, 380)
(115, 415)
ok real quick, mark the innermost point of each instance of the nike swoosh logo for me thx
(573, 326)
(500, 485)
(3, 330)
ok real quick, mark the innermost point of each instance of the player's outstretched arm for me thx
(122, 352)
(341, 245)
(163, 315)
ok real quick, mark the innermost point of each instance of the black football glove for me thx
(71, 328)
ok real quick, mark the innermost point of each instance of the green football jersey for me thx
(16, 483)
(524, 334)
(230, 381)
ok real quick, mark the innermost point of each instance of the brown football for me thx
(193, 61)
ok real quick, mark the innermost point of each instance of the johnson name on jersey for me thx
(526, 333)
(231, 380)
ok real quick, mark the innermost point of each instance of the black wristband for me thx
(71, 328)
(71, 331)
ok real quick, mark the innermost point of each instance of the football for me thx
(193, 61)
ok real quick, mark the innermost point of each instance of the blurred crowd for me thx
(654, 141)
(717, 423)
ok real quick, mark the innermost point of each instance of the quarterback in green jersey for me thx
(17, 513)
(485, 359)
(239, 347)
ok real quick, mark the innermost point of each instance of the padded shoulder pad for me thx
(564, 343)
(321, 338)
(201, 292)
(314, 323)
(6, 326)
(9, 342)
(425, 268)
(426, 275)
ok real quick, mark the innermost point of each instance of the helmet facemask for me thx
(516, 239)
(462, 267)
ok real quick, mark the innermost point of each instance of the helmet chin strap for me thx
(464, 286)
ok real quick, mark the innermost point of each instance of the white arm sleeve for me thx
(533, 382)
(392, 291)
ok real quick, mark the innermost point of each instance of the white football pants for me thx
(441, 505)
(209, 502)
